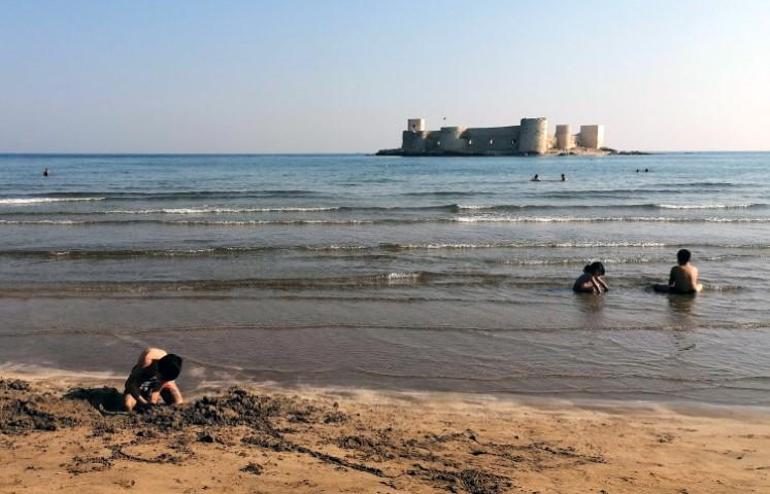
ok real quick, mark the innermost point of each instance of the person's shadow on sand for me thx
(105, 400)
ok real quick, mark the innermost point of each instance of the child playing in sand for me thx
(152, 378)
(591, 280)
(683, 278)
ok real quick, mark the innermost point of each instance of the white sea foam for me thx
(214, 210)
(43, 200)
(355, 222)
(402, 277)
(528, 245)
(707, 206)
(191, 222)
(41, 222)
(269, 222)
(602, 219)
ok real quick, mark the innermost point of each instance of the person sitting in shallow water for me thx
(152, 379)
(683, 278)
(591, 280)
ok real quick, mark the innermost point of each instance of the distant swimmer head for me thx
(45, 172)
(595, 269)
(683, 256)
(536, 178)
(169, 367)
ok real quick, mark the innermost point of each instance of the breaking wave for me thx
(650, 206)
(385, 221)
(21, 201)
(604, 219)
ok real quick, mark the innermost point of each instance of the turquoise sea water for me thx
(406, 273)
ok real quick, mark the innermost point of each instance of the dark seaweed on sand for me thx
(445, 460)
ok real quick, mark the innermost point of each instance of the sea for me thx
(428, 274)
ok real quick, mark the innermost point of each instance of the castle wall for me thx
(493, 140)
(414, 142)
(482, 140)
(449, 140)
(533, 135)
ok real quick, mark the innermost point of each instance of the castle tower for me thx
(564, 141)
(591, 136)
(533, 135)
(413, 138)
(415, 125)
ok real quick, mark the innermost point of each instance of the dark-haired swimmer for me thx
(536, 178)
(152, 379)
(591, 280)
(683, 278)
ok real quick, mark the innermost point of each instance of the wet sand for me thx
(59, 435)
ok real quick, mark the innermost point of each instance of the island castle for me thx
(529, 138)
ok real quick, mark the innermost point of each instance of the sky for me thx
(292, 76)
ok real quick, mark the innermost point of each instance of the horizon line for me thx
(353, 153)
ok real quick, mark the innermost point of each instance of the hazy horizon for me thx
(342, 77)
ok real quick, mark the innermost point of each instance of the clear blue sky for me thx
(343, 76)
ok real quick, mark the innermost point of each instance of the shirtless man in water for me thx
(683, 277)
(152, 378)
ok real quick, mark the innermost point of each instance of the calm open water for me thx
(407, 273)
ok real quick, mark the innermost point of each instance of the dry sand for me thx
(53, 438)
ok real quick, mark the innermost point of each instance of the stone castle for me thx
(530, 137)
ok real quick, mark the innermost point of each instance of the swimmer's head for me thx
(594, 269)
(169, 367)
(683, 256)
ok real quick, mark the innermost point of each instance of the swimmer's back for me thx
(684, 279)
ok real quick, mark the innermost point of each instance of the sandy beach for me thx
(384, 247)
(59, 434)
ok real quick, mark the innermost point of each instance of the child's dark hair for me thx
(595, 268)
(683, 256)
(170, 366)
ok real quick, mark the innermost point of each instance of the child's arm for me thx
(132, 386)
(601, 282)
(595, 284)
